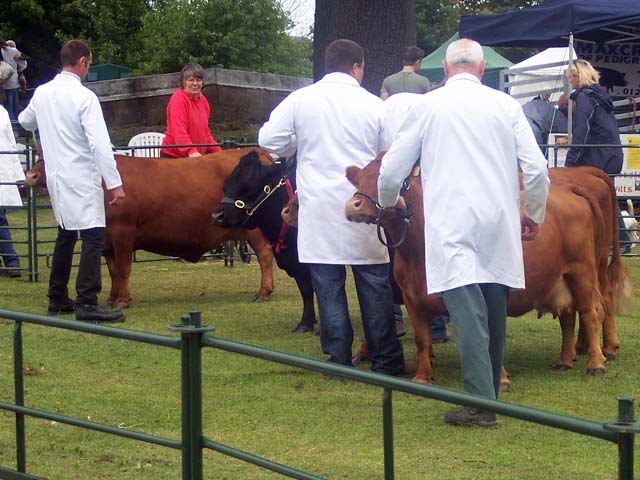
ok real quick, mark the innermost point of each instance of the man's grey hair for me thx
(464, 52)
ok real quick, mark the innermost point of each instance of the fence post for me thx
(32, 223)
(626, 426)
(387, 428)
(18, 379)
(191, 331)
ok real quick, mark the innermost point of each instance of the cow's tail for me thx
(618, 271)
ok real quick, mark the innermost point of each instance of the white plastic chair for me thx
(147, 139)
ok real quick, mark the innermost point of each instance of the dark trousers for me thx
(7, 252)
(89, 280)
(376, 308)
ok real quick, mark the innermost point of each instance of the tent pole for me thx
(567, 91)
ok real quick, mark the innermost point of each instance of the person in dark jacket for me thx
(544, 119)
(594, 124)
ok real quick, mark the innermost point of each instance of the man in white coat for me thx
(471, 140)
(78, 158)
(10, 171)
(332, 124)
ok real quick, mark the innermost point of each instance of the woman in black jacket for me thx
(593, 121)
(594, 124)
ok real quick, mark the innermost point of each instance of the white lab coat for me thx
(471, 140)
(396, 109)
(76, 148)
(10, 168)
(332, 124)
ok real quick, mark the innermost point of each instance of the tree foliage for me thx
(237, 34)
(157, 36)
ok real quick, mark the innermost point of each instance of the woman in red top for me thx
(188, 117)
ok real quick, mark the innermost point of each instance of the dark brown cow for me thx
(563, 264)
(167, 210)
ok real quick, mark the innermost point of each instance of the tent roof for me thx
(549, 24)
(432, 63)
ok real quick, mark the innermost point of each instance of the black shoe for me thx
(57, 307)
(471, 417)
(10, 272)
(96, 313)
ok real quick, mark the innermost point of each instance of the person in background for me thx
(76, 147)
(13, 57)
(594, 123)
(22, 80)
(188, 114)
(332, 124)
(407, 80)
(544, 119)
(10, 171)
(471, 141)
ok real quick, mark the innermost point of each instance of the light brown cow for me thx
(566, 267)
(167, 210)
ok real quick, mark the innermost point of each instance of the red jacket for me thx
(187, 122)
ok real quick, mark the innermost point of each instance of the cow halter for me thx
(249, 209)
(405, 215)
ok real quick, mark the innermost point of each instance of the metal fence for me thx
(194, 336)
(34, 247)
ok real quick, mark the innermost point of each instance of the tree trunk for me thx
(384, 28)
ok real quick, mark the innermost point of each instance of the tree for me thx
(237, 34)
(382, 27)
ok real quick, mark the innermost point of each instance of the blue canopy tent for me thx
(551, 23)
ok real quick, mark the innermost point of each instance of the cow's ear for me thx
(352, 174)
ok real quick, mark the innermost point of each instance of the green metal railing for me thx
(194, 336)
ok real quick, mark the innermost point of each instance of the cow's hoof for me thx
(610, 355)
(423, 381)
(505, 387)
(120, 305)
(302, 328)
(562, 367)
(261, 298)
(359, 358)
(597, 371)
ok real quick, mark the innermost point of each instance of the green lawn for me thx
(330, 428)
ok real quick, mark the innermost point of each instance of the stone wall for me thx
(233, 95)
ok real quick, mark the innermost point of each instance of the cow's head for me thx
(37, 176)
(249, 185)
(362, 207)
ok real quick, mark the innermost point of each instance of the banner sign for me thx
(618, 64)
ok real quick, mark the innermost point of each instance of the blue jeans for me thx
(7, 252)
(439, 327)
(479, 315)
(11, 102)
(376, 309)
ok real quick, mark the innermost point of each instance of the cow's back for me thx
(169, 201)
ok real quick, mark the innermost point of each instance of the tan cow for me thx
(566, 269)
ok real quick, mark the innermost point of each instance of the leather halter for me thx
(405, 215)
(250, 208)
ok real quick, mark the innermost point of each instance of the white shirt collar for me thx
(463, 76)
(70, 74)
(339, 77)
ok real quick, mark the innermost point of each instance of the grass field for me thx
(330, 428)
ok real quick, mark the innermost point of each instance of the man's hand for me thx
(195, 154)
(528, 228)
(389, 213)
(117, 196)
